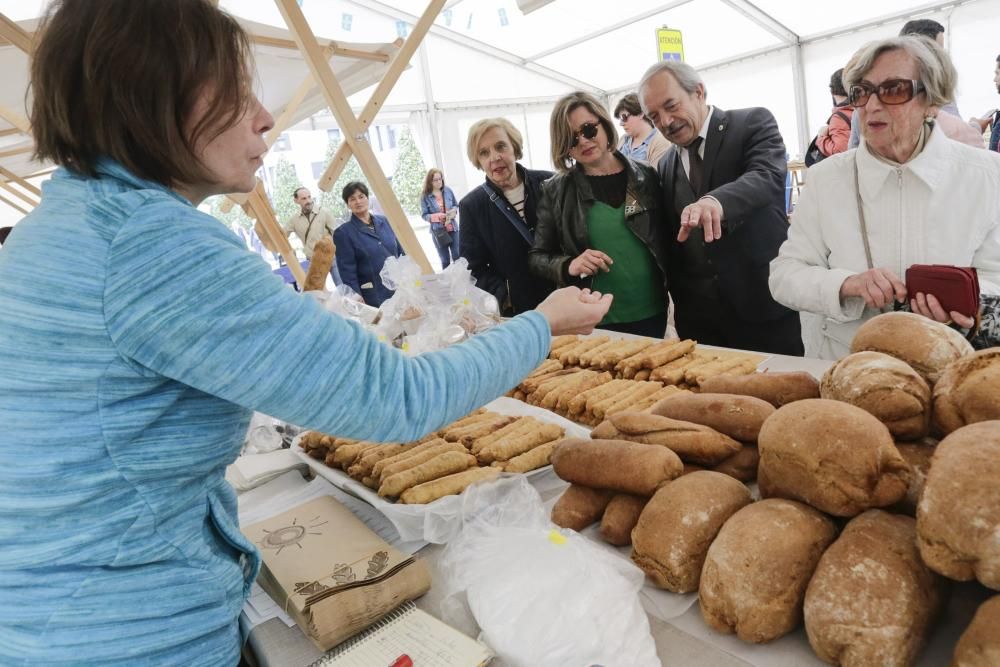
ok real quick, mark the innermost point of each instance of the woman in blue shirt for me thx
(139, 335)
(439, 207)
(363, 244)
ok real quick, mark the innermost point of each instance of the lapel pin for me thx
(721, 126)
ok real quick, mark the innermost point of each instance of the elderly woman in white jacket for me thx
(925, 199)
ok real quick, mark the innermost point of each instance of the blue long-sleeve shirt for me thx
(138, 335)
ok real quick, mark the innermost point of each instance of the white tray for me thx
(438, 521)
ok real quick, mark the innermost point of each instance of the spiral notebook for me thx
(412, 632)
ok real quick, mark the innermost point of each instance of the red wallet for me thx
(955, 287)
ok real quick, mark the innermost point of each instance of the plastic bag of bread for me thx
(832, 455)
(958, 517)
(533, 589)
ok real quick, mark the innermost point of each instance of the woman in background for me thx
(363, 244)
(439, 207)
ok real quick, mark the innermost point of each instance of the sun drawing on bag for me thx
(287, 536)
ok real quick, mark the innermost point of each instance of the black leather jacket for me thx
(562, 235)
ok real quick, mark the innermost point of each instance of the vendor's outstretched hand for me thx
(571, 310)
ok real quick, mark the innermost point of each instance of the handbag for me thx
(441, 236)
(813, 153)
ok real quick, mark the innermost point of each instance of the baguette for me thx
(449, 485)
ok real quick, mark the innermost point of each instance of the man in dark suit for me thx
(724, 195)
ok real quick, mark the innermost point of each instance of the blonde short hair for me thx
(561, 133)
(481, 127)
(935, 68)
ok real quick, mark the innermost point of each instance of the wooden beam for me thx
(11, 176)
(273, 234)
(381, 92)
(10, 130)
(12, 204)
(20, 150)
(16, 119)
(43, 172)
(17, 193)
(353, 132)
(15, 34)
(334, 48)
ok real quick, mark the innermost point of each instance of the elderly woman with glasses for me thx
(598, 220)
(641, 142)
(907, 195)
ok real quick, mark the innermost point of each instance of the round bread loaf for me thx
(832, 455)
(958, 518)
(776, 388)
(739, 417)
(924, 344)
(757, 569)
(918, 457)
(871, 601)
(979, 645)
(968, 391)
(742, 465)
(679, 523)
(885, 387)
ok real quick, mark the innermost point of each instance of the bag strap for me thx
(511, 216)
(861, 214)
(842, 115)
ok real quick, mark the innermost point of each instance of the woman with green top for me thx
(598, 220)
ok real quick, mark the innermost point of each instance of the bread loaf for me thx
(968, 391)
(757, 569)
(580, 506)
(742, 465)
(776, 388)
(958, 518)
(885, 387)
(620, 517)
(871, 601)
(831, 455)
(616, 465)
(979, 645)
(739, 417)
(677, 526)
(319, 265)
(924, 344)
(694, 443)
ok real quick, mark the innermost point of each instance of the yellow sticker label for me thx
(555, 537)
(381, 338)
(418, 283)
(406, 346)
(465, 302)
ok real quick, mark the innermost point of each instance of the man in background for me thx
(991, 119)
(310, 225)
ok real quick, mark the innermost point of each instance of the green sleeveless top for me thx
(634, 279)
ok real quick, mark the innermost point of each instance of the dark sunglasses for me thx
(588, 130)
(892, 91)
(624, 117)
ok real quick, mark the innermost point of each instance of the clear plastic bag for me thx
(541, 595)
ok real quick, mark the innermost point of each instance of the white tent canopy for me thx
(487, 58)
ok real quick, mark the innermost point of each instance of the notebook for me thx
(412, 632)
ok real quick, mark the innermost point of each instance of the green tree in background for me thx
(331, 201)
(282, 190)
(408, 179)
(234, 216)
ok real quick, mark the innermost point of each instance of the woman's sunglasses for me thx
(587, 130)
(892, 91)
(624, 117)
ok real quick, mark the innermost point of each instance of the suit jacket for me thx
(744, 169)
(361, 252)
(496, 251)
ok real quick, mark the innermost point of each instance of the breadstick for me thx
(418, 459)
(345, 456)
(447, 486)
(529, 385)
(469, 437)
(675, 351)
(530, 460)
(596, 380)
(439, 466)
(635, 362)
(654, 398)
(645, 390)
(600, 392)
(560, 341)
(517, 426)
(364, 464)
(519, 395)
(626, 349)
(677, 375)
(509, 448)
(642, 375)
(403, 455)
(588, 357)
(546, 366)
(572, 357)
(319, 265)
(318, 453)
(716, 367)
(454, 433)
(551, 384)
(597, 408)
(570, 388)
(474, 418)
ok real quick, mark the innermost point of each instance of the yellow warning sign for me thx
(669, 44)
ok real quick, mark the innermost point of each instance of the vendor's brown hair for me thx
(119, 79)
